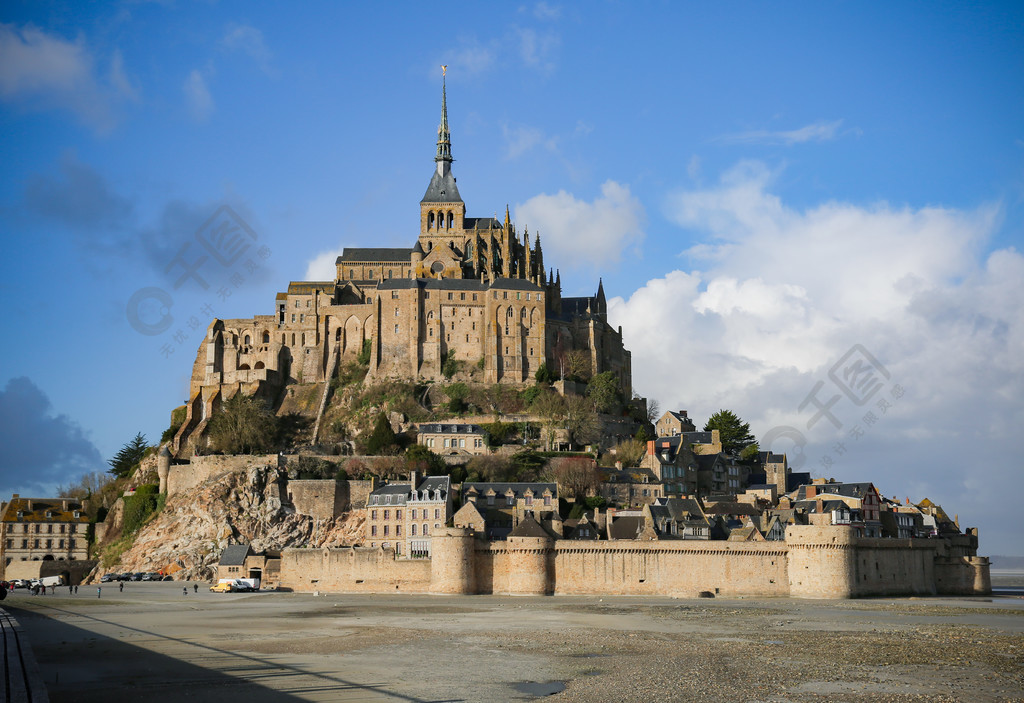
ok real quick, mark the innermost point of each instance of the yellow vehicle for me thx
(222, 587)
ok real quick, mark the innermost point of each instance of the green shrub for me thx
(364, 354)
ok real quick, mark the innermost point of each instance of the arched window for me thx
(293, 339)
(430, 220)
(266, 337)
(451, 220)
(246, 340)
(303, 339)
(337, 335)
(509, 313)
(430, 315)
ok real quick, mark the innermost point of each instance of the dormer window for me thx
(78, 514)
(49, 514)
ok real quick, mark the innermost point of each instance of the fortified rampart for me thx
(813, 562)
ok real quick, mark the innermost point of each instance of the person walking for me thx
(195, 586)
(120, 586)
(76, 589)
(99, 590)
(71, 590)
(184, 590)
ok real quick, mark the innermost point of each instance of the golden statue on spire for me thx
(444, 70)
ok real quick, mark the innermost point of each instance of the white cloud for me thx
(816, 132)
(781, 294)
(595, 233)
(537, 49)
(544, 11)
(470, 59)
(322, 267)
(248, 40)
(197, 96)
(523, 138)
(43, 71)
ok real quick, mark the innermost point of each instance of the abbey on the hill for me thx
(471, 290)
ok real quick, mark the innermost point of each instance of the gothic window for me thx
(266, 337)
(369, 274)
(303, 339)
(451, 220)
(246, 340)
(430, 220)
(509, 313)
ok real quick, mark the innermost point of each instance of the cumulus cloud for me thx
(41, 448)
(775, 296)
(42, 71)
(816, 132)
(198, 100)
(579, 232)
(322, 267)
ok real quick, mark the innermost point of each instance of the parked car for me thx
(108, 578)
(222, 587)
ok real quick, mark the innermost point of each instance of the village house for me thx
(674, 423)
(449, 438)
(495, 509)
(43, 529)
(403, 516)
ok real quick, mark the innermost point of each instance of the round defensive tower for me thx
(822, 561)
(982, 578)
(163, 466)
(529, 572)
(452, 561)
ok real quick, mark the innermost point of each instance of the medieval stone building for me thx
(470, 289)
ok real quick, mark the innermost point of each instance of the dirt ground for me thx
(153, 643)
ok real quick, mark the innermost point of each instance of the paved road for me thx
(154, 644)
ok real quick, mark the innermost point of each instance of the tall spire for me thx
(444, 140)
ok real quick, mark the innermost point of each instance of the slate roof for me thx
(730, 508)
(519, 489)
(626, 527)
(375, 255)
(400, 493)
(442, 189)
(697, 437)
(234, 555)
(514, 284)
(309, 287)
(480, 223)
(528, 527)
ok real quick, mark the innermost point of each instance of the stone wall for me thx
(353, 570)
(814, 562)
(184, 477)
(322, 499)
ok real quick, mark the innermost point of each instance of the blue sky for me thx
(762, 188)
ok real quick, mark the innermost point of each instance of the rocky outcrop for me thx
(192, 530)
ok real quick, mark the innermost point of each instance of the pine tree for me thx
(732, 431)
(127, 459)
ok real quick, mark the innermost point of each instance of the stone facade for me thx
(42, 529)
(404, 520)
(472, 290)
(453, 438)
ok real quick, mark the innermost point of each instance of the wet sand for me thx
(152, 643)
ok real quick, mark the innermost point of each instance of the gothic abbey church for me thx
(471, 289)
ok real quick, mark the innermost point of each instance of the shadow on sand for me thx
(81, 666)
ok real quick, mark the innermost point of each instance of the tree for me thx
(544, 374)
(128, 457)
(576, 365)
(382, 439)
(427, 463)
(575, 476)
(581, 420)
(732, 431)
(457, 394)
(603, 391)
(244, 425)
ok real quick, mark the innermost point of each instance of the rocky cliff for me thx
(244, 506)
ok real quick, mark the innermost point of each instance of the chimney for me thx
(812, 491)
(412, 480)
(821, 506)
(650, 451)
(64, 505)
(618, 466)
